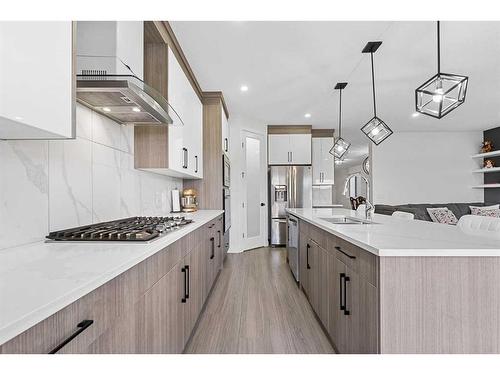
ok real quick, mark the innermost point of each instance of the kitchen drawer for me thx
(304, 228)
(358, 260)
(99, 306)
(319, 236)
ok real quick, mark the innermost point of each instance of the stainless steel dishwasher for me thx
(293, 245)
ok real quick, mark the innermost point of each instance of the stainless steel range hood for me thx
(124, 99)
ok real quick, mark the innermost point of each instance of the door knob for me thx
(262, 204)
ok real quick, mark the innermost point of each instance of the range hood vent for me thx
(123, 98)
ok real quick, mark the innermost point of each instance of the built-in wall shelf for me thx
(486, 186)
(487, 170)
(487, 154)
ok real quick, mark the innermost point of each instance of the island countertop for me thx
(388, 236)
(41, 278)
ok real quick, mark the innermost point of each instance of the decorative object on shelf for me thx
(486, 146)
(366, 165)
(340, 146)
(442, 93)
(375, 129)
(488, 163)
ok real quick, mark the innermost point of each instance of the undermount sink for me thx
(345, 220)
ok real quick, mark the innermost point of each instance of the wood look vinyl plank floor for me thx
(256, 307)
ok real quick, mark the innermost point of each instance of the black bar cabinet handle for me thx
(184, 299)
(220, 240)
(196, 165)
(82, 326)
(341, 294)
(212, 240)
(188, 281)
(225, 144)
(343, 252)
(346, 279)
(307, 256)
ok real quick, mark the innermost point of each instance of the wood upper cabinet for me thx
(322, 161)
(175, 150)
(37, 60)
(225, 133)
(289, 149)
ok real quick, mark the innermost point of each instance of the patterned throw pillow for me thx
(475, 210)
(484, 211)
(442, 215)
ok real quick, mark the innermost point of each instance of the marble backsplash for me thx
(51, 185)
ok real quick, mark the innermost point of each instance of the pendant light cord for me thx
(340, 115)
(439, 48)
(373, 88)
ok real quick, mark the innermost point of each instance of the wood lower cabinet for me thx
(151, 308)
(341, 285)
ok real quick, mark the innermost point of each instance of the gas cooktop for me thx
(139, 228)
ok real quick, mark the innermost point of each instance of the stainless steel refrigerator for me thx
(289, 187)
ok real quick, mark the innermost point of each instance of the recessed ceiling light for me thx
(416, 114)
(106, 109)
(136, 109)
(244, 88)
(18, 118)
(307, 115)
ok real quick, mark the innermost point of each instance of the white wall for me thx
(51, 185)
(426, 167)
(237, 124)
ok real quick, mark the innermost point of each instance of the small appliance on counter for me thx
(188, 201)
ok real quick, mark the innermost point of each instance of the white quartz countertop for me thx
(390, 236)
(39, 279)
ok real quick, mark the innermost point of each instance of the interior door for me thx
(254, 183)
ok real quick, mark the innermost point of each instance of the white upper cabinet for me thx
(322, 161)
(300, 148)
(289, 149)
(225, 133)
(279, 149)
(185, 142)
(37, 81)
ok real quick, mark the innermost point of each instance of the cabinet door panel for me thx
(338, 329)
(279, 149)
(327, 161)
(314, 276)
(162, 317)
(323, 296)
(303, 271)
(300, 147)
(37, 60)
(317, 166)
(363, 326)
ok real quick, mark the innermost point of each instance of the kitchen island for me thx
(400, 286)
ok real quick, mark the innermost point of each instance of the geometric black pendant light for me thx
(375, 129)
(340, 146)
(442, 93)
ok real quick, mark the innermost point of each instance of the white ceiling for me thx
(292, 67)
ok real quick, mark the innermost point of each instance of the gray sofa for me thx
(420, 210)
